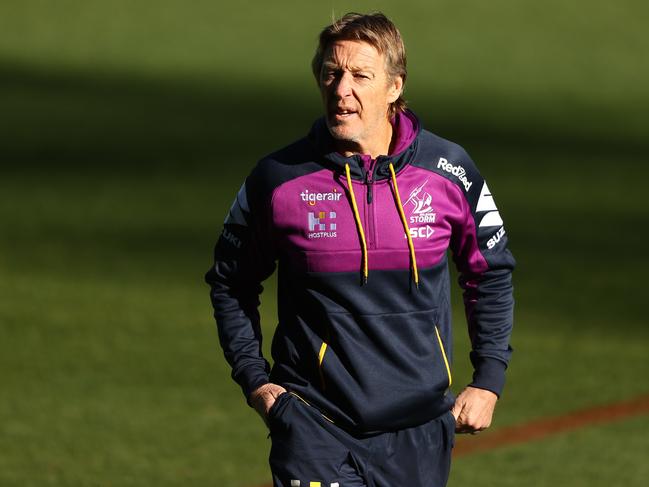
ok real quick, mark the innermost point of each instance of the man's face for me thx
(357, 92)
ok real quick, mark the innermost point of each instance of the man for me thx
(359, 216)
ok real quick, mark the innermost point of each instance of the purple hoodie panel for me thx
(316, 228)
(405, 124)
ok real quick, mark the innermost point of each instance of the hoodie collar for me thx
(405, 125)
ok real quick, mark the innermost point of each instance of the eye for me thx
(329, 75)
(361, 76)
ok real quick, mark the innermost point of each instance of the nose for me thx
(343, 86)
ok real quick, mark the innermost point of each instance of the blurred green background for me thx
(126, 128)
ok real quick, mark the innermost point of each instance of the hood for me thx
(405, 125)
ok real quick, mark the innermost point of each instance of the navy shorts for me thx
(308, 450)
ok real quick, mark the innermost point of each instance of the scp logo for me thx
(421, 232)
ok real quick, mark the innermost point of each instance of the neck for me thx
(378, 145)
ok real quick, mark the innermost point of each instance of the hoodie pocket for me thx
(277, 409)
(443, 352)
(367, 359)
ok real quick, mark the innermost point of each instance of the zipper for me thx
(441, 348)
(369, 214)
(309, 404)
(321, 354)
(368, 182)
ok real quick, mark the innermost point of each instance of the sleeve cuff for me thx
(250, 379)
(489, 374)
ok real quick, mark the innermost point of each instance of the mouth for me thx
(341, 114)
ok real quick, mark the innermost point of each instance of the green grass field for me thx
(125, 131)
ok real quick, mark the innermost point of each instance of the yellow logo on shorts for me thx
(296, 483)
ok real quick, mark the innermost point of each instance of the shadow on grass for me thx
(102, 121)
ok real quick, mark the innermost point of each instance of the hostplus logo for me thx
(313, 197)
(457, 171)
(322, 224)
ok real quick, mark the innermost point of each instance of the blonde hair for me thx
(378, 31)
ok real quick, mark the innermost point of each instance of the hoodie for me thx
(361, 247)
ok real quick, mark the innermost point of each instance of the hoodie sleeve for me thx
(485, 266)
(243, 258)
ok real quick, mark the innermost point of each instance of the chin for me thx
(342, 133)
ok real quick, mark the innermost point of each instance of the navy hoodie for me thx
(364, 329)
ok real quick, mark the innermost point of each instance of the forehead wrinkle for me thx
(353, 69)
(366, 57)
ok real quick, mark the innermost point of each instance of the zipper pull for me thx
(368, 182)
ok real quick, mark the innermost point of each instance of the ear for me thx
(395, 89)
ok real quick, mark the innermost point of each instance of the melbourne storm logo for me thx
(422, 212)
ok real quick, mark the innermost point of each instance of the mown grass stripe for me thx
(539, 429)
